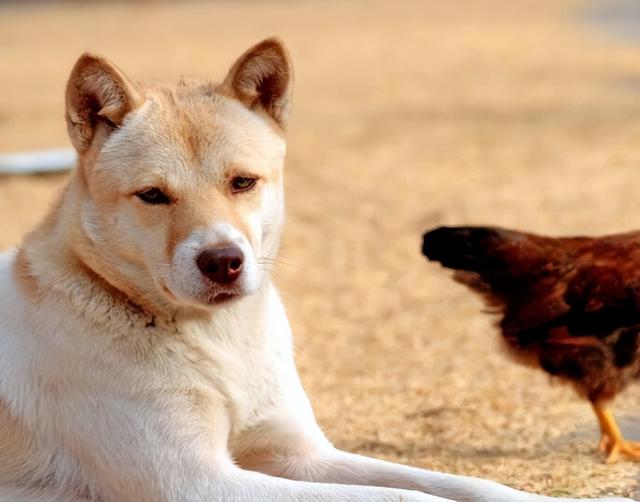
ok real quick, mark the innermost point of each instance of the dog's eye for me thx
(153, 196)
(242, 183)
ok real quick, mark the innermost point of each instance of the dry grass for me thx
(408, 115)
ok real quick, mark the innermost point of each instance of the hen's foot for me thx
(612, 443)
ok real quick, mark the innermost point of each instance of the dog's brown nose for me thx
(221, 265)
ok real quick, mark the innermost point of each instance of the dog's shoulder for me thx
(13, 286)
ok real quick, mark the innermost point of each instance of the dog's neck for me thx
(51, 261)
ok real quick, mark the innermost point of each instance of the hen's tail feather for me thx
(473, 249)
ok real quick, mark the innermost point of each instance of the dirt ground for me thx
(407, 115)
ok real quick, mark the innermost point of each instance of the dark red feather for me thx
(572, 302)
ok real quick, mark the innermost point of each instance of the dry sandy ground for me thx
(408, 115)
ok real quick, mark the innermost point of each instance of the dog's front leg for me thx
(308, 456)
(336, 466)
(160, 451)
(229, 483)
(237, 485)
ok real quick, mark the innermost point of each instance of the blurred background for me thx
(408, 114)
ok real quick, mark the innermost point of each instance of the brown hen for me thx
(572, 305)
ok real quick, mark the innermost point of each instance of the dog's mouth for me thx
(223, 298)
(218, 297)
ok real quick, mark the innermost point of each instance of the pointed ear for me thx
(98, 98)
(262, 80)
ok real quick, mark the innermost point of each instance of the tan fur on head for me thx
(98, 95)
(262, 79)
(188, 141)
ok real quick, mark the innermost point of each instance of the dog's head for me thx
(182, 197)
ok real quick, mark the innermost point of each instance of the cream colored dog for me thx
(145, 354)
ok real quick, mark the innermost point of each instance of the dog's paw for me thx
(604, 499)
(541, 498)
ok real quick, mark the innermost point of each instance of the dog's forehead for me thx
(194, 130)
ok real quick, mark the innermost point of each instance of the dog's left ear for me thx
(98, 98)
(262, 80)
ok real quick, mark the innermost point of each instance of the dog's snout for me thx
(221, 265)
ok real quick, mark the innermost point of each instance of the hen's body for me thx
(570, 304)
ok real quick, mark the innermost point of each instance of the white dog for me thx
(145, 354)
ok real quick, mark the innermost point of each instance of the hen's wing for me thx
(574, 290)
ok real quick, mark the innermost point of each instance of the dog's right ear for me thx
(262, 80)
(98, 98)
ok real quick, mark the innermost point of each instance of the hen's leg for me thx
(612, 442)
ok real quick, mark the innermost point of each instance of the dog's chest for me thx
(245, 361)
